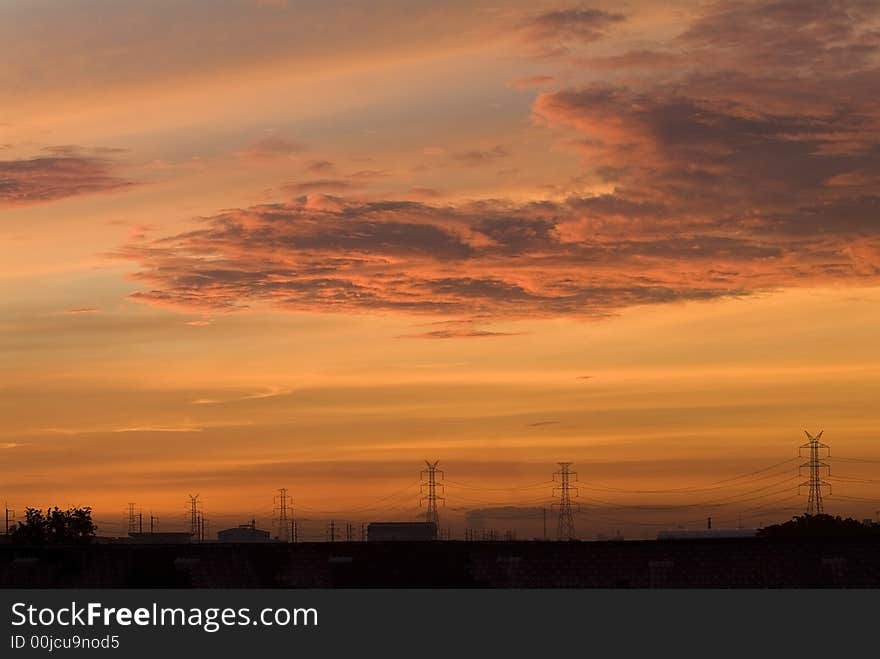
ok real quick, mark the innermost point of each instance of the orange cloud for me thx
(559, 31)
(724, 177)
(587, 256)
(54, 177)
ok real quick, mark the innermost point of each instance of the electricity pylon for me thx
(565, 527)
(429, 480)
(818, 468)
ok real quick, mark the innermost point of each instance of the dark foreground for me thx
(725, 563)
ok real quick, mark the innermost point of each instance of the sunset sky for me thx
(261, 244)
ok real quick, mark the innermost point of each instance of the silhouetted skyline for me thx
(309, 245)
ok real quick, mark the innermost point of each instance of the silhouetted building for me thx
(682, 534)
(244, 533)
(406, 531)
(159, 538)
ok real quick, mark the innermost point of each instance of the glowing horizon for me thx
(309, 245)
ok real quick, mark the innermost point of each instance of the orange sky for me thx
(309, 245)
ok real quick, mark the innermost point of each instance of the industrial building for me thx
(159, 538)
(697, 534)
(401, 531)
(244, 533)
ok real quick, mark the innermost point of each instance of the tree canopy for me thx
(55, 527)
(819, 526)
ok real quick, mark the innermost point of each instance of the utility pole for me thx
(131, 519)
(565, 528)
(332, 531)
(293, 530)
(349, 532)
(141, 522)
(201, 525)
(283, 524)
(429, 481)
(194, 515)
(9, 514)
(153, 523)
(817, 468)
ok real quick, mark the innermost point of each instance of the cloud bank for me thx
(738, 156)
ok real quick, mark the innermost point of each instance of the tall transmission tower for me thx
(565, 528)
(817, 468)
(194, 515)
(283, 521)
(132, 527)
(429, 481)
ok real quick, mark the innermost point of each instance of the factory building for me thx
(159, 538)
(401, 531)
(244, 533)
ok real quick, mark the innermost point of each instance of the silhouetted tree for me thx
(56, 527)
(820, 526)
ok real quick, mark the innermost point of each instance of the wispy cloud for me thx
(50, 178)
(559, 31)
(476, 157)
(271, 147)
(456, 329)
(268, 392)
(183, 428)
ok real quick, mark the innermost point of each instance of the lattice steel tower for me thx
(282, 509)
(817, 468)
(194, 525)
(132, 524)
(429, 481)
(565, 528)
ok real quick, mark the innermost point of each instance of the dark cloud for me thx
(456, 334)
(794, 36)
(488, 258)
(557, 32)
(273, 147)
(50, 178)
(749, 159)
(456, 329)
(759, 123)
(425, 193)
(478, 157)
(320, 166)
(369, 174)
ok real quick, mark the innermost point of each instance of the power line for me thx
(369, 508)
(717, 485)
(499, 489)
